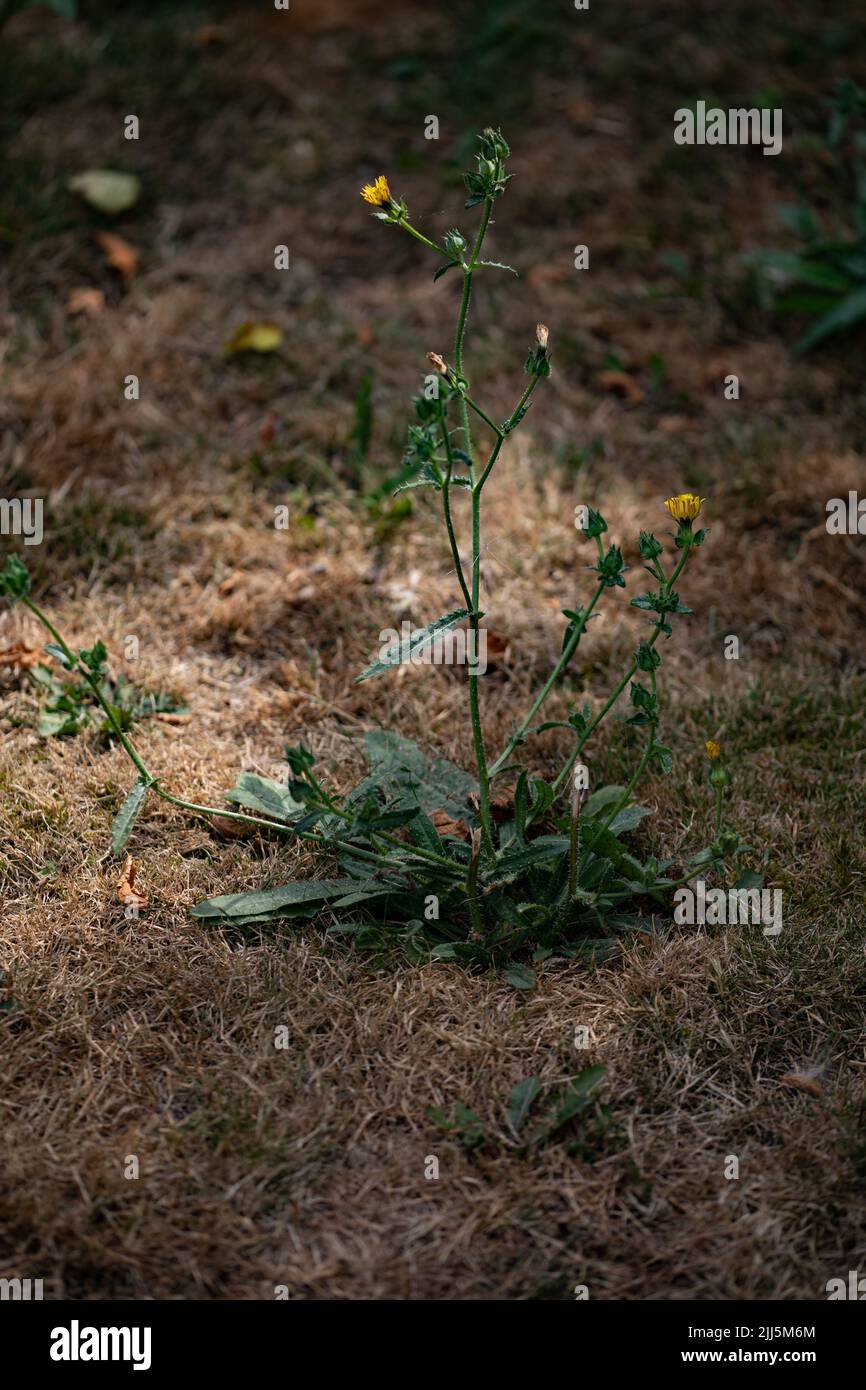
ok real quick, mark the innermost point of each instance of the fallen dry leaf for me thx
(119, 254)
(801, 1081)
(173, 717)
(127, 893)
(447, 825)
(622, 385)
(21, 657)
(231, 829)
(85, 300)
(255, 337)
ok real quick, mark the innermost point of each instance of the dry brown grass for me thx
(305, 1167)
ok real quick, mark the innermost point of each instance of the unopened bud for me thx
(438, 362)
(542, 333)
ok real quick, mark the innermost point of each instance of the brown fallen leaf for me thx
(127, 893)
(801, 1081)
(21, 657)
(447, 825)
(621, 384)
(173, 717)
(231, 829)
(119, 254)
(85, 300)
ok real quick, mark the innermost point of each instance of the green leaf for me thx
(545, 847)
(520, 976)
(127, 816)
(803, 270)
(747, 878)
(601, 801)
(409, 648)
(52, 649)
(14, 579)
(850, 312)
(292, 899)
(628, 818)
(406, 777)
(265, 796)
(521, 1099)
(579, 1094)
(468, 1126)
(444, 269)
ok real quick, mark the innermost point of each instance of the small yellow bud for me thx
(714, 750)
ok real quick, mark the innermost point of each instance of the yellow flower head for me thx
(377, 193)
(685, 506)
(714, 750)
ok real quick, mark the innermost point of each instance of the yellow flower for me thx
(685, 506)
(714, 750)
(377, 193)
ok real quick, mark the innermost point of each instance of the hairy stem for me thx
(567, 653)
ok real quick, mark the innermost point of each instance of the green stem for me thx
(572, 852)
(567, 653)
(426, 241)
(611, 701)
(446, 506)
(153, 782)
(482, 415)
(474, 702)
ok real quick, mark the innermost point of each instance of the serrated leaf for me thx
(521, 1099)
(403, 652)
(127, 816)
